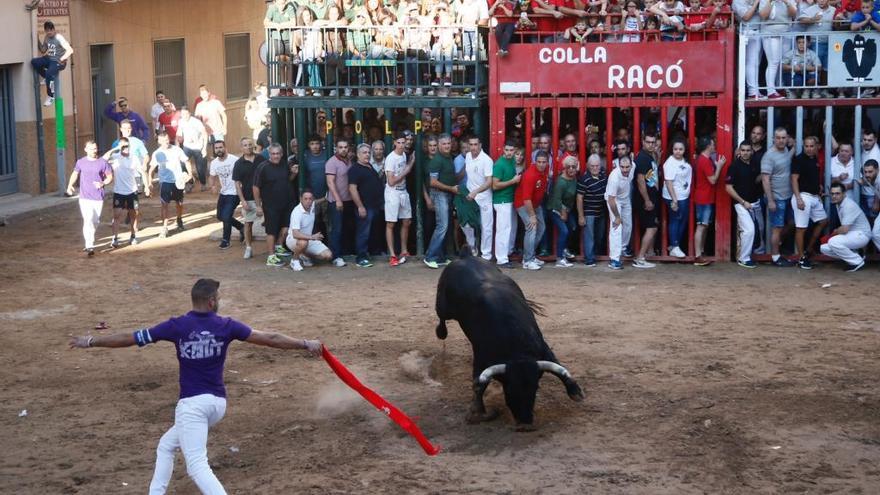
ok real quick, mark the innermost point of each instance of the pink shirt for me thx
(339, 168)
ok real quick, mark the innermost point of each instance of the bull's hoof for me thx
(481, 417)
(524, 428)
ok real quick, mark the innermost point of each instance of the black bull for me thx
(507, 344)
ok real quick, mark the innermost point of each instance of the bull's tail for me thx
(465, 251)
(536, 307)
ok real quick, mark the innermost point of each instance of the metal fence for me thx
(380, 61)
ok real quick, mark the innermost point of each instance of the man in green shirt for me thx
(441, 172)
(504, 181)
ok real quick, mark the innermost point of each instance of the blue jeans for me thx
(564, 228)
(593, 236)
(436, 248)
(336, 228)
(678, 221)
(226, 204)
(200, 162)
(362, 234)
(533, 236)
(797, 79)
(48, 68)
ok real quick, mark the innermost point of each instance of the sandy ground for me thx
(716, 380)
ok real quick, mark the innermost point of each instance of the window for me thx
(237, 62)
(170, 69)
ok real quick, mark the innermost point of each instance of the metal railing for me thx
(380, 61)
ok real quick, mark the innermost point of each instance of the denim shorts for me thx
(783, 214)
(704, 214)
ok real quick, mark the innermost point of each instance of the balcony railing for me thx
(377, 61)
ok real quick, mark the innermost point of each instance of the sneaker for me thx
(164, 233)
(782, 262)
(447, 81)
(848, 269)
(347, 92)
(281, 252)
(273, 260)
(419, 91)
(805, 94)
(133, 241)
(394, 261)
(180, 224)
(747, 264)
(590, 263)
(531, 265)
(114, 243)
(436, 82)
(317, 92)
(431, 264)
(563, 263)
(868, 93)
(49, 101)
(677, 252)
(306, 261)
(826, 94)
(615, 265)
(627, 252)
(700, 261)
(339, 262)
(332, 92)
(296, 266)
(805, 263)
(248, 252)
(568, 254)
(505, 265)
(642, 263)
(444, 262)
(402, 257)
(224, 244)
(364, 263)
(539, 261)
(775, 96)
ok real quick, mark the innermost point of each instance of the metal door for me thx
(103, 92)
(8, 176)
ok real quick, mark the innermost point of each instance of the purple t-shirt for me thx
(201, 340)
(339, 168)
(91, 171)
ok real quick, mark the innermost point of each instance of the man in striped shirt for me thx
(591, 208)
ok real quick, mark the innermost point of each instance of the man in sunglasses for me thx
(126, 169)
(139, 126)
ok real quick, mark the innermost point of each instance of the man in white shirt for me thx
(126, 170)
(843, 168)
(193, 137)
(157, 109)
(397, 202)
(300, 237)
(870, 152)
(854, 231)
(478, 168)
(170, 160)
(617, 195)
(221, 171)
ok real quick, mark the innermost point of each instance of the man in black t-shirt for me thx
(741, 184)
(243, 175)
(647, 197)
(368, 194)
(275, 194)
(806, 184)
(758, 142)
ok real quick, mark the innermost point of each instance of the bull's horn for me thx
(488, 373)
(554, 368)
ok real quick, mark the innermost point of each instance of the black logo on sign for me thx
(859, 57)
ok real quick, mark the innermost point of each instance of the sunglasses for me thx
(124, 147)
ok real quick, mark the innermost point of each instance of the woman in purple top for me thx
(201, 339)
(93, 173)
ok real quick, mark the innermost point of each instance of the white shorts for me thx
(313, 249)
(250, 215)
(397, 205)
(813, 210)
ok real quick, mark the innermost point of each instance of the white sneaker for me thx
(333, 92)
(531, 265)
(563, 263)
(538, 261)
(305, 261)
(296, 266)
(641, 263)
(419, 91)
(347, 92)
(568, 254)
(677, 252)
(339, 262)
(49, 101)
(248, 252)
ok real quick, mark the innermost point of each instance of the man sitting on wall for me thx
(55, 51)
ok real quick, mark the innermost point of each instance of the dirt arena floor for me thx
(699, 380)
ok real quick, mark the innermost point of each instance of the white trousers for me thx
(90, 209)
(753, 61)
(503, 221)
(745, 227)
(470, 236)
(618, 237)
(773, 50)
(842, 246)
(487, 222)
(192, 418)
